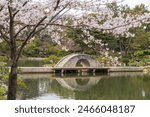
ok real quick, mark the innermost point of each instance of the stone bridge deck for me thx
(79, 69)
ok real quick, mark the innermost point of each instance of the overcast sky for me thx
(132, 3)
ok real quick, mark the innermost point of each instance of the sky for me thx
(132, 3)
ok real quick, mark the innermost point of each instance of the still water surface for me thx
(123, 86)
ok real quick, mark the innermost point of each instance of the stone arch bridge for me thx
(83, 63)
(78, 63)
(78, 60)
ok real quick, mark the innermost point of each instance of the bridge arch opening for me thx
(82, 81)
(83, 63)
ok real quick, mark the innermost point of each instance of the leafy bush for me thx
(3, 59)
(103, 60)
(139, 53)
(135, 62)
(53, 59)
(2, 92)
(3, 79)
(42, 48)
(140, 58)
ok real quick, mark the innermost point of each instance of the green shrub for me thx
(52, 60)
(3, 59)
(139, 53)
(103, 60)
(3, 79)
(2, 90)
(136, 62)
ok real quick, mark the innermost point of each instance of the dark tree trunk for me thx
(16, 50)
(12, 84)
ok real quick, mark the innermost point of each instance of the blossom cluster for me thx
(30, 17)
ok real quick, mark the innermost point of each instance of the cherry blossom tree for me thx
(22, 19)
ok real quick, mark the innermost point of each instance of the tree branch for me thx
(19, 50)
(57, 4)
(1, 8)
(20, 30)
(19, 10)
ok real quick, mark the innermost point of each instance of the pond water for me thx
(122, 86)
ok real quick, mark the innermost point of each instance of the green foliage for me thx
(53, 59)
(140, 58)
(139, 53)
(147, 68)
(4, 71)
(133, 49)
(3, 78)
(138, 9)
(107, 38)
(138, 48)
(147, 28)
(42, 48)
(77, 36)
(103, 60)
(3, 59)
(4, 49)
(136, 62)
(31, 49)
(2, 92)
(141, 40)
(21, 84)
(114, 7)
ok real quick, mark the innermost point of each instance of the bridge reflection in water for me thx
(80, 84)
(38, 85)
(114, 86)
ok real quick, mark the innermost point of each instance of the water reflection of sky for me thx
(50, 97)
